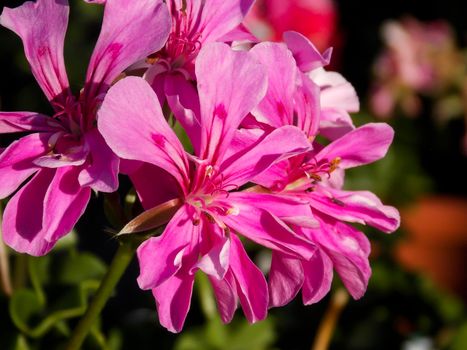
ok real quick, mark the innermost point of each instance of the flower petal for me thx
(102, 172)
(44, 210)
(215, 252)
(252, 288)
(335, 123)
(132, 123)
(318, 277)
(355, 206)
(363, 145)
(285, 279)
(348, 249)
(264, 228)
(64, 203)
(276, 108)
(215, 18)
(16, 161)
(230, 84)
(307, 106)
(184, 103)
(305, 53)
(22, 219)
(173, 298)
(278, 145)
(160, 258)
(131, 30)
(26, 121)
(150, 195)
(42, 26)
(225, 291)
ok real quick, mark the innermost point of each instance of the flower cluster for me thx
(271, 137)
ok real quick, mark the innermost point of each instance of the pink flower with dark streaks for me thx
(195, 23)
(65, 153)
(202, 235)
(315, 178)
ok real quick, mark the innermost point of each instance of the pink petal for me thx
(252, 288)
(277, 107)
(132, 123)
(150, 196)
(230, 84)
(131, 30)
(285, 279)
(239, 34)
(102, 172)
(280, 144)
(184, 103)
(337, 92)
(307, 106)
(355, 206)
(64, 203)
(215, 252)
(318, 277)
(225, 291)
(42, 26)
(43, 211)
(335, 123)
(289, 208)
(26, 121)
(16, 161)
(305, 53)
(264, 228)
(22, 219)
(348, 249)
(161, 257)
(361, 146)
(173, 298)
(216, 18)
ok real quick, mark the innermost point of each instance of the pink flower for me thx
(337, 97)
(195, 23)
(316, 19)
(203, 233)
(65, 153)
(316, 178)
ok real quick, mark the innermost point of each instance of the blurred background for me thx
(408, 61)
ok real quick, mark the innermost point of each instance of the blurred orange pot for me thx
(436, 242)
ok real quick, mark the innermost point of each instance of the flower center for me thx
(210, 199)
(308, 175)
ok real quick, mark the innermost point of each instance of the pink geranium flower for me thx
(202, 235)
(65, 153)
(195, 23)
(316, 178)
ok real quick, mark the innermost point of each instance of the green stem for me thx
(118, 266)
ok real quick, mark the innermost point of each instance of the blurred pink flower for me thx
(419, 59)
(203, 233)
(315, 19)
(65, 153)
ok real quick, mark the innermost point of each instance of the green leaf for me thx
(79, 268)
(258, 336)
(24, 305)
(460, 339)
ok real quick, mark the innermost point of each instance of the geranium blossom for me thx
(203, 233)
(316, 178)
(65, 153)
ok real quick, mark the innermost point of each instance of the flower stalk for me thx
(118, 266)
(5, 279)
(328, 325)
